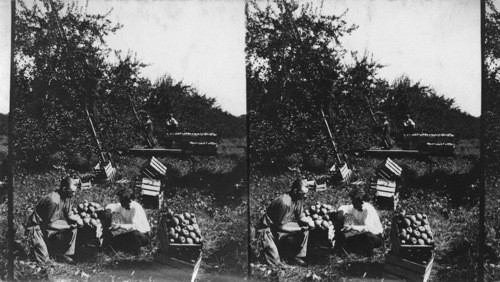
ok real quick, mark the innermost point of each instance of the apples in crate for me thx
(85, 215)
(414, 230)
(182, 228)
(318, 216)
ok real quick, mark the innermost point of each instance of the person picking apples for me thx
(366, 225)
(48, 230)
(131, 219)
(279, 232)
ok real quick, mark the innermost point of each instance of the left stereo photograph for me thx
(129, 140)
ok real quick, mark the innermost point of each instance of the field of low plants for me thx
(213, 187)
(445, 188)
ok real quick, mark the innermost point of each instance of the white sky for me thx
(5, 12)
(201, 43)
(436, 42)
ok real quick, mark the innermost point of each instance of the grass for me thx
(444, 188)
(213, 187)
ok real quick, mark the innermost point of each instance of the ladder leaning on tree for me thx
(104, 157)
(342, 167)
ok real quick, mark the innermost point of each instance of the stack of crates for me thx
(149, 183)
(385, 184)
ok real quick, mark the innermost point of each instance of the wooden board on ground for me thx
(176, 263)
(162, 151)
(400, 153)
(407, 270)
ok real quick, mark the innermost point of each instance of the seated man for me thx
(366, 224)
(48, 230)
(131, 219)
(278, 229)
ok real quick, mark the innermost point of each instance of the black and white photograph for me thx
(129, 140)
(364, 139)
(249, 140)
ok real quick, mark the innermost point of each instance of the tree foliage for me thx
(54, 82)
(297, 66)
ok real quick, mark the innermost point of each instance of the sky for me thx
(5, 17)
(434, 42)
(198, 42)
(201, 42)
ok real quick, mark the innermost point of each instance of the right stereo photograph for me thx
(364, 140)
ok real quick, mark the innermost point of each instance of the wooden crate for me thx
(203, 147)
(342, 172)
(184, 137)
(440, 148)
(153, 169)
(388, 170)
(415, 253)
(177, 263)
(86, 185)
(404, 269)
(387, 203)
(151, 199)
(184, 252)
(105, 171)
(144, 183)
(386, 187)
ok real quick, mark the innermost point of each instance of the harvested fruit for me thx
(181, 228)
(413, 229)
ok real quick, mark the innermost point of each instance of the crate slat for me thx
(406, 269)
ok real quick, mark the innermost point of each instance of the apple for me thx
(318, 222)
(190, 228)
(311, 224)
(421, 229)
(409, 230)
(189, 240)
(413, 218)
(192, 235)
(413, 241)
(326, 217)
(403, 242)
(175, 221)
(419, 216)
(325, 224)
(421, 241)
(424, 236)
(407, 222)
(187, 216)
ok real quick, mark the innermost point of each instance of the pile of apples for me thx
(317, 216)
(414, 229)
(182, 228)
(85, 214)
